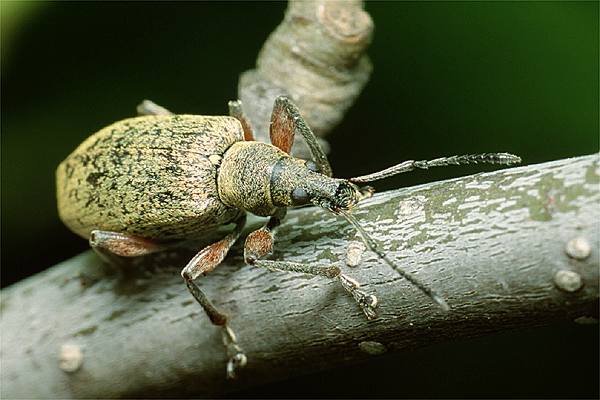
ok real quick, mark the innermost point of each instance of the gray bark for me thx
(491, 243)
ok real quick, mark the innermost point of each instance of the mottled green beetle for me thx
(136, 186)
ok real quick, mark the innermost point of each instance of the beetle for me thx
(140, 184)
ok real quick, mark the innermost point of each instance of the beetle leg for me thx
(236, 111)
(148, 107)
(260, 243)
(286, 121)
(107, 243)
(205, 261)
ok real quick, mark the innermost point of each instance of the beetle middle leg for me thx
(260, 243)
(205, 261)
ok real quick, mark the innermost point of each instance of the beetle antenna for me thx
(374, 247)
(406, 166)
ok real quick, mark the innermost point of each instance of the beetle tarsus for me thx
(367, 302)
(237, 358)
(234, 364)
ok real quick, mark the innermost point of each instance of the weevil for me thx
(138, 185)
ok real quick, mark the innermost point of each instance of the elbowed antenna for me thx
(407, 166)
(372, 245)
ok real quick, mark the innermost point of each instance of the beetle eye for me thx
(299, 197)
(312, 166)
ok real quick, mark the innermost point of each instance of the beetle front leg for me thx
(260, 243)
(205, 261)
(286, 121)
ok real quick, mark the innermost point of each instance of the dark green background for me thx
(449, 78)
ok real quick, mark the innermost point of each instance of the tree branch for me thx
(492, 243)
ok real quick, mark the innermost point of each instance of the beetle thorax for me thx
(244, 176)
(259, 178)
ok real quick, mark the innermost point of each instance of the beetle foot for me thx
(236, 362)
(237, 357)
(367, 302)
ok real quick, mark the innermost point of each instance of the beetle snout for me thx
(346, 196)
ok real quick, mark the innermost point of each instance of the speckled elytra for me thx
(140, 184)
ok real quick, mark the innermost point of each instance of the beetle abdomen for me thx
(149, 176)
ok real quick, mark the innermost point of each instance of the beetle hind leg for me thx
(236, 111)
(148, 107)
(260, 243)
(109, 244)
(205, 261)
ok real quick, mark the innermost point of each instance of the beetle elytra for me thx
(142, 183)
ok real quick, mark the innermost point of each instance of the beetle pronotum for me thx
(140, 184)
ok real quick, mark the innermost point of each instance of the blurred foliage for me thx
(13, 17)
(449, 78)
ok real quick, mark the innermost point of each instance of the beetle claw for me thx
(236, 362)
